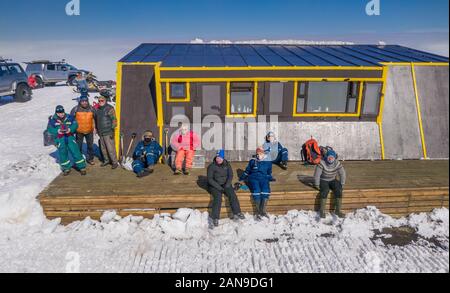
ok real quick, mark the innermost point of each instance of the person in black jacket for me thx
(220, 177)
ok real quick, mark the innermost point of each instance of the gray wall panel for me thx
(432, 84)
(400, 123)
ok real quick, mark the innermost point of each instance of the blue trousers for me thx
(283, 156)
(139, 165)
(260, 188)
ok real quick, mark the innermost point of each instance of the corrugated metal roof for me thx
(243, 55)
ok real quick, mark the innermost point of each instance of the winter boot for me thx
(83, 172)
(215, 222)
(337, 208)
(238, 217)
(258, 209)
(187, 172)
(104, 164)
(284, 165)
(323, 203)
(115, 166)
(91, 162)
(263, 208)
(177, 172)
(66, 172)
(143, 173)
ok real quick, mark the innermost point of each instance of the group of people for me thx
(70, 131)
(83, 122)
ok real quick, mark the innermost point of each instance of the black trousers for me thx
(217, 201)
(334, 185)
(90, 144)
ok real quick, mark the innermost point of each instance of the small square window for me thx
(177, 90)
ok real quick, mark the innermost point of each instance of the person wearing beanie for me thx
(258, 176)
(275, 151)
(84, 114)
(325, 178)
(220, 177)
(106, 123)
(146, 154)
(63, 127)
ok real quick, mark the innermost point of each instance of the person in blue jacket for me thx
(274, 149)
(146, 155)
(258, 176)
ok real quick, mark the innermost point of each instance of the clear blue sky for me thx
(173, 20)
(108, 29)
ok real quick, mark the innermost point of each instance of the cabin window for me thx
(301, 97)
(241, 98)
(372, 98)
(353, 94)
(327, 97)
(177, 92)
(276, 94)
(51, 67)
(211, 96)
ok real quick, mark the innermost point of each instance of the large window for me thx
(211, 96)
(372, 97)
(242, 98)
(327, 97)
(276, 94)
(177, 92)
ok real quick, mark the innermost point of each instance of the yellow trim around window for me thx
(178, 100)
(357, 114)
(255, 103)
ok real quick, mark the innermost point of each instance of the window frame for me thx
(254, 89)
(357, 113)
(185, 99)
(380, 96)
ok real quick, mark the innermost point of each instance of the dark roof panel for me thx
(243, 55)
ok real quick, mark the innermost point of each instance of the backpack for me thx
(311, 152)
(49, 139)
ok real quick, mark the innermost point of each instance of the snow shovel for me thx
(127, 162)
(166, 146)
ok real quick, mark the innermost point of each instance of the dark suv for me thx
(14, 81)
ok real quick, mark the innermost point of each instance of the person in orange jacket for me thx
(184, 143)
(84, 114)
(32, 82)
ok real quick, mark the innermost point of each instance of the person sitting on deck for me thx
(220, 177)
(146, 154)
(275, 150)
(63, 127)
(185, 144)
(258, 175)
(325, 179)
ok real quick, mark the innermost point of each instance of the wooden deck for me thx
(397, 188)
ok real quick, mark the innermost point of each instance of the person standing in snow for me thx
(325, 178)
(185, 144)
(258, 175)
(275, 151)
(220, 177)
(63, 127)
(81, 83)
(146, 154)
(84, 114)
(106, 123)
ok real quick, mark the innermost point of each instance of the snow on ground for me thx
(365, 241)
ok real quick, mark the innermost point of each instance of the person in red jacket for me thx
(32, 82)
(185, 142)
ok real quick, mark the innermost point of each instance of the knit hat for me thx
(220, 154)
(331, 153)
(60, 109)
(84, 98)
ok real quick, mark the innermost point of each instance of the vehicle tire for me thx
(71, 81)
(23, 93)
(39, 83)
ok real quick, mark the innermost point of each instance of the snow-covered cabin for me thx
(367, 101)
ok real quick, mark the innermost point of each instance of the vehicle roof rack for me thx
(5, 60)
(46, 62)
